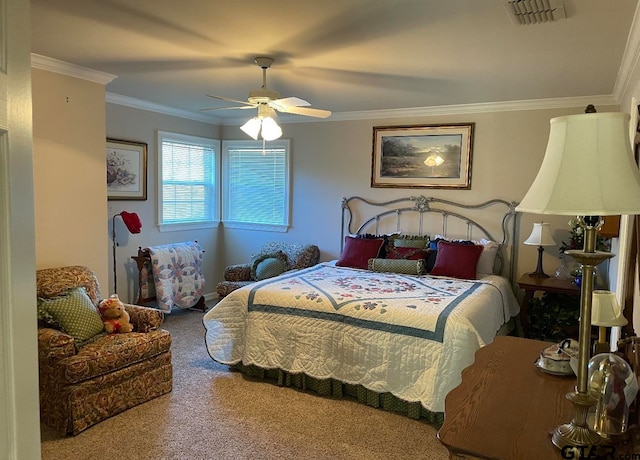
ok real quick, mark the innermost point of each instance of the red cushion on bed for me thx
(457, 260)
(357, 251)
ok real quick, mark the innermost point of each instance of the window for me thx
(187, 195)
(256, 184)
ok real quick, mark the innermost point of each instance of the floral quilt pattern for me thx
(409, 305)
(177, 274)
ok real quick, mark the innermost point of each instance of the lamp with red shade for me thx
(134, 225)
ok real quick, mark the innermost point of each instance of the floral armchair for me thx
(291, 255)
(86, 377)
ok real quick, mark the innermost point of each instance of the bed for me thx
(372, 323)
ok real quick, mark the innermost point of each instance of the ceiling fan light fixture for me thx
(252, 127)
(270, 129)
(264, 111)
(268, 102)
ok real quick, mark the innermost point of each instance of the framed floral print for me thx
(126, 170)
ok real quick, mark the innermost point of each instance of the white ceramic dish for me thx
(549, 371)
(555, 359)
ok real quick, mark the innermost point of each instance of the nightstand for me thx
(531, 285)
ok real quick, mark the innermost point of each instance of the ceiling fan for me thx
(265, 99)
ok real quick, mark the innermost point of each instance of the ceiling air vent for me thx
(535, 11)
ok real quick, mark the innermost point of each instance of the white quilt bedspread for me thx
(408, 335)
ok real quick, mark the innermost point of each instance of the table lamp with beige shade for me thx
(605, 312)
(588, 171)
(540, 236)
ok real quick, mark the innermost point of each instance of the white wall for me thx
(69, 172)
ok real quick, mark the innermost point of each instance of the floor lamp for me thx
(134, 225)
(588, 171)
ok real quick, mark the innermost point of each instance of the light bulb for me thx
(270, 129)
(252, 127)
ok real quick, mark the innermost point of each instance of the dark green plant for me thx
(554, 317)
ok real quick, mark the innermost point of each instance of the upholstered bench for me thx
(292, 255)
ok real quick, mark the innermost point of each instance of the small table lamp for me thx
(540, 236)
(605, 312)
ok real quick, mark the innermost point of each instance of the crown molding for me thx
(488, 107)
(132, 102)
(72, 70)
(460, 109)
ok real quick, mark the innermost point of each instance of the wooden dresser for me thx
(505, 408)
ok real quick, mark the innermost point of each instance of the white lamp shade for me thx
(540, 235)
(252, 127)
(605, 310)
(270, 129)
(588, 169)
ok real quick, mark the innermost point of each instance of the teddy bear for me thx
(115, 317)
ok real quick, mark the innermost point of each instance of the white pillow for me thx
(487, 256)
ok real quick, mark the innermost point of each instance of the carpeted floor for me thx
(213, 413)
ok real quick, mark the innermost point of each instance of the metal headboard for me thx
(396, 210)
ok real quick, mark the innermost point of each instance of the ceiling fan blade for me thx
(242, 107)
(306, 111)
(289, 102)
(228, 99)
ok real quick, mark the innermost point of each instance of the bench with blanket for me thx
(292, 256)
(171, 275)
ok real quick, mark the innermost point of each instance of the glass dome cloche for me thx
(614, 385)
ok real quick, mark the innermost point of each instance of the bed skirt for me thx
(337, 389)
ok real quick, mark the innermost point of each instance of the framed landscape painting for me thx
(126, 170)
(422, 156)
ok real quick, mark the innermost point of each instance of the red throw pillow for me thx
(407, 253)
(457, 260)
(357, 251)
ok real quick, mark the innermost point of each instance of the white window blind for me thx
(256, 184)
(188, 179)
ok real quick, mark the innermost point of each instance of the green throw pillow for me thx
(268, 268)
(411, 241)
(269, 265)
(73, 313)
(404, 266)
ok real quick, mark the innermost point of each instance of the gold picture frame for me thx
(126, 170)
(422, 156)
